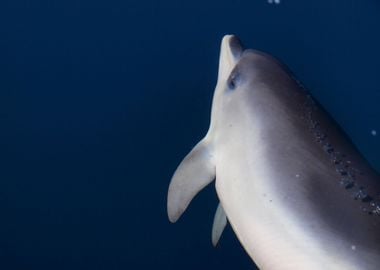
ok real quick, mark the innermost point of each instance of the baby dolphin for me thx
(296, 191)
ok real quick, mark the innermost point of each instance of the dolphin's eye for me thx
(233, 80)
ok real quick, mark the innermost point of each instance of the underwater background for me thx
(101, 100)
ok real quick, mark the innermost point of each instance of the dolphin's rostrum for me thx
(295, 190)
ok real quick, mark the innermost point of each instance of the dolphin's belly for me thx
(288, 210)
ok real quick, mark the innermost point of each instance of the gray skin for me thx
(295, 189)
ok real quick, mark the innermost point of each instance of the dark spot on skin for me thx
(328, 148)
(343, 165)
(350, 185)
(367, 199)
(320, 137)
(375, 205)
(347, 183)
(362, 195)
(337, 161)
(341, 171)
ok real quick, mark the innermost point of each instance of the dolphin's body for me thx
(297, 193)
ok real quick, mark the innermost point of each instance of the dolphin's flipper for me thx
(195, 172)
(220, 222)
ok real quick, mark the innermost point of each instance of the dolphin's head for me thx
(234, 69)
(239, 67)
(244, 75)
(231, 51)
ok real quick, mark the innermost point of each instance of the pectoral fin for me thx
(220, 222)
(195, 172)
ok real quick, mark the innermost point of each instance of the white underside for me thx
(273, 236)
(268, 234)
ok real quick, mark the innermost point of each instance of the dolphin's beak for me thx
(231, 50)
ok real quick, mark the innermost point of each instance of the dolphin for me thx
(294, 188)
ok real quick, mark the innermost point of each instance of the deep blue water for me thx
(100, 101)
